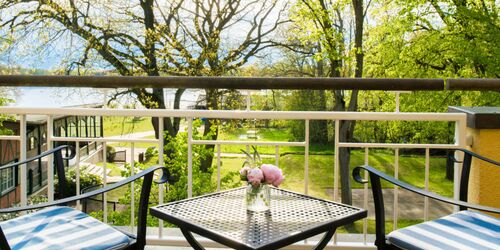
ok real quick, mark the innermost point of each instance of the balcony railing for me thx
(188, 115)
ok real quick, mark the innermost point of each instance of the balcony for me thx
(366, 151)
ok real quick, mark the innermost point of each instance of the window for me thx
(32, 143)
(7, 180)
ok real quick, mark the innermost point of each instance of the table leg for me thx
(192, 241)
(326, 238)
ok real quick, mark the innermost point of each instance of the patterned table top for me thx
(223, 215)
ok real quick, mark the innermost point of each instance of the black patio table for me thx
(223, 218)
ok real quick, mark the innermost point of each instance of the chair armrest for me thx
(163, 179)
(378, 174)
(478, 156)
(44, 154)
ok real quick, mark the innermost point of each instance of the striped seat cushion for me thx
(462, 230)
(61, 228)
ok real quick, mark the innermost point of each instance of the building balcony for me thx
(404, 208)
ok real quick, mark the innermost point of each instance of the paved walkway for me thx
(410, 205)
(97, 170)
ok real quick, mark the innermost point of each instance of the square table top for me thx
(223, 216)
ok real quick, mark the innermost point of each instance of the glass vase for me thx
(258, 197)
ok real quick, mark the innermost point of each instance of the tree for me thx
(435, 39)
(327, 23)
(299, 60)
(144, 37)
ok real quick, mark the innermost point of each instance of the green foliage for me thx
(4, 100)
(150, 153)
(309, 100)
(36, 199)
(435, 39)
(110, 153)
(177, 165)
(252, 160)
(86, 180)
(423, 101)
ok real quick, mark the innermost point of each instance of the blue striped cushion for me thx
(61, 228)
(462, 230)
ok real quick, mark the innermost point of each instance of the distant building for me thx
(64, 126)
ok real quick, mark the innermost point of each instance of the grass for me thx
(115, 194)
(125, 125)
(321, 169)
(115, 170)
(357, 228)
(270, 134)
(136, 144)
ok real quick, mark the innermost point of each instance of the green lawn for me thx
(114, 195)
(321, 163)
(270, 134)
(137, 144)
(358, 226)
(321, 171)
(126, 125)
(115, 170)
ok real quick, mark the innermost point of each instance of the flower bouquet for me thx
(259, 176)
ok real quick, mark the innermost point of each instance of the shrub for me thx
(150, 153)
(86, 180)
(110, 153)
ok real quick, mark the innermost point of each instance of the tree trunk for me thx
(171, 125)
(319, 128)
(212, 104)
(347, 127)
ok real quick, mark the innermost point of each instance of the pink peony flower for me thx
(244, 173)
(255, 176)
(278, 180)
(272, 174)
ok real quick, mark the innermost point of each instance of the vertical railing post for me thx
(460, 140)
(306, 159)
(365, 197)
(132, 187)
(104, 160)
(426, 199)
(104, 183)
(190, 157)
(161, 162)
(77, 172)
(396, 190)
(336, 168)
(218, 166)
(337, 162)
(22, 155)
(50, 159)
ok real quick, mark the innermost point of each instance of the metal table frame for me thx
(328, 227)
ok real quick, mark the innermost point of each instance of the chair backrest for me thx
(58, 163)
(466, 167)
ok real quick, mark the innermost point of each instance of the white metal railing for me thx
(458, 118)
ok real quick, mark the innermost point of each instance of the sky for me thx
(64, 97)
(52, 56)
(34, 52)
(55, 97)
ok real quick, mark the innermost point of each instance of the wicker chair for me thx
(59, 226)
(466, 229)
